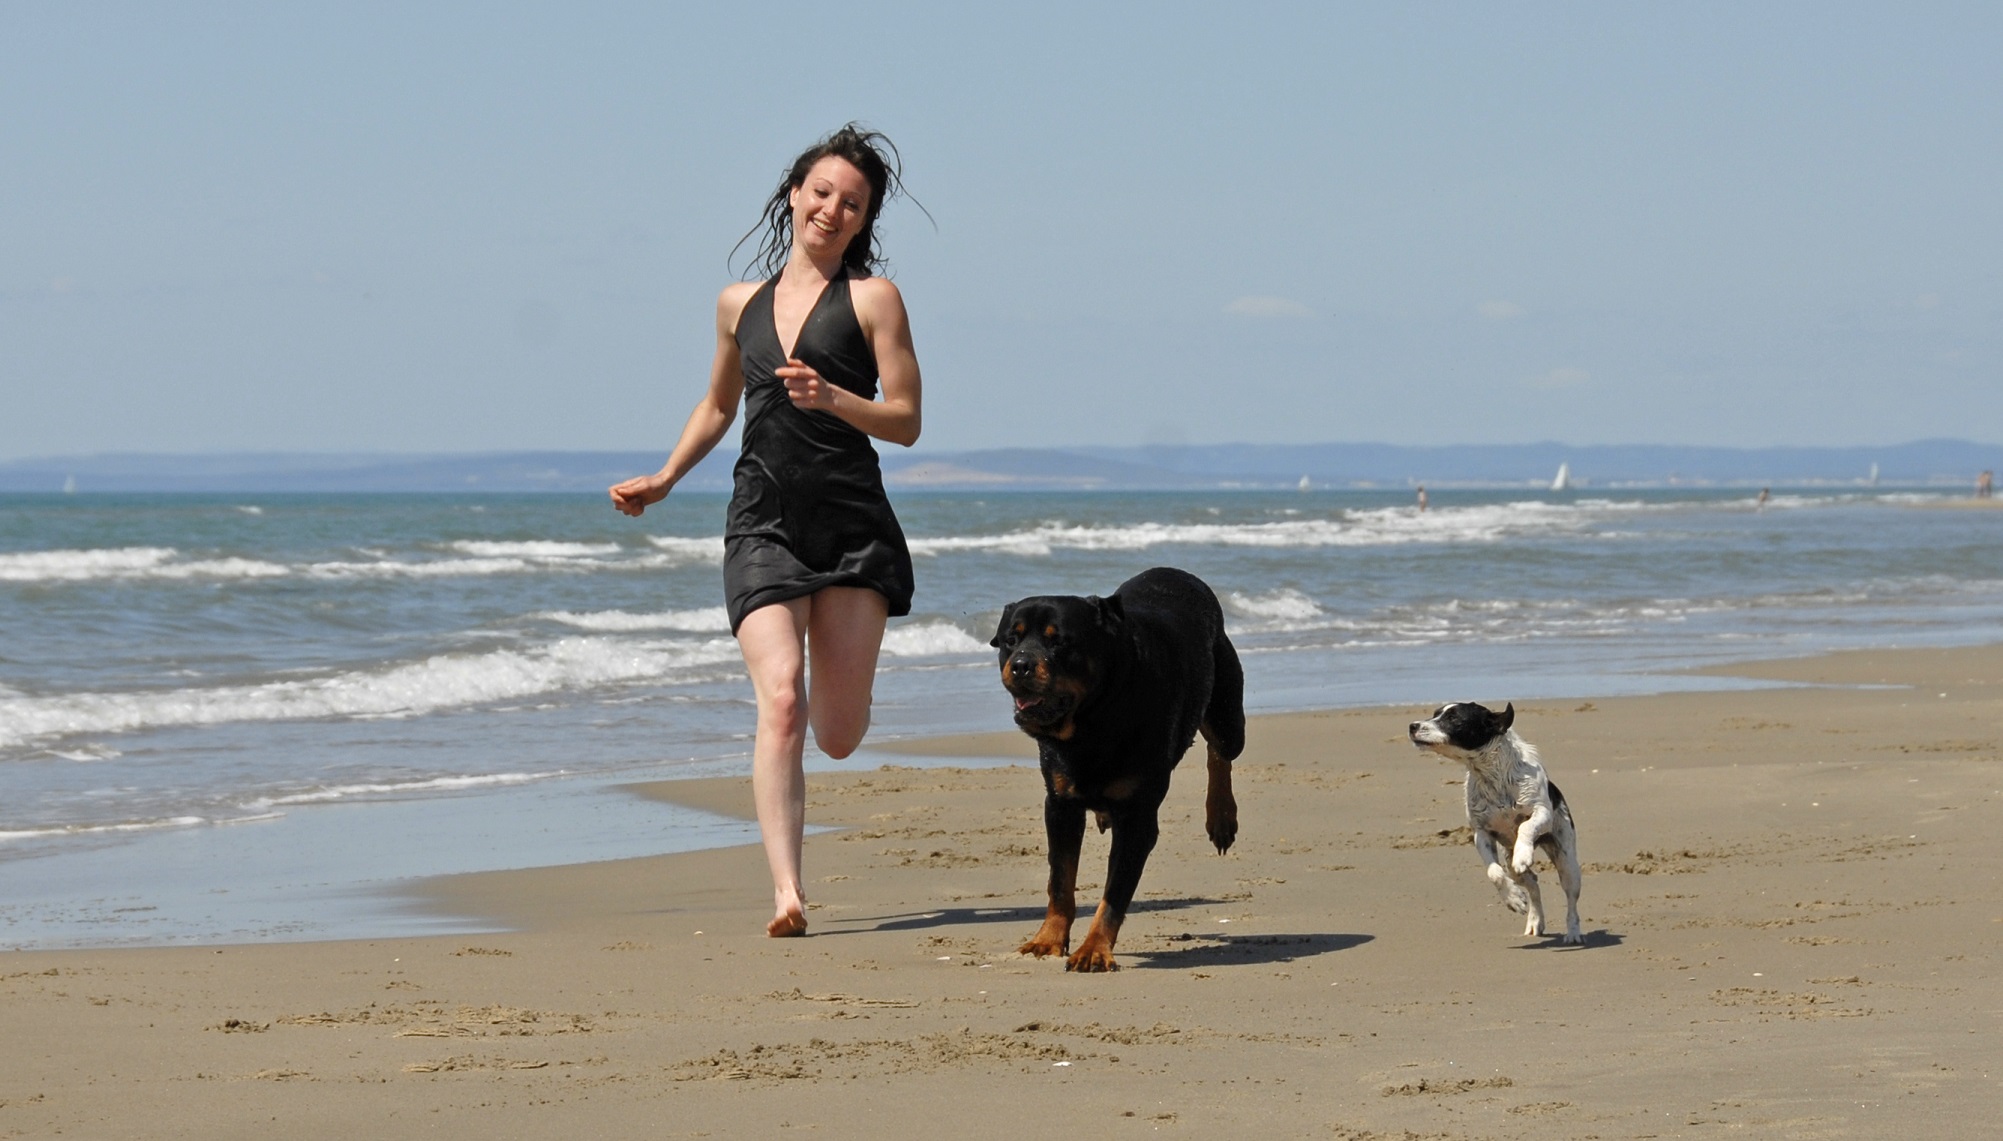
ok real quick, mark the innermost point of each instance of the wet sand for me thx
(1792, 898)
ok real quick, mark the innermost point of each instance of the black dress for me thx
(809, 509)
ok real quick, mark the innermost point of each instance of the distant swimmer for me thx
(1985, 485)
(1762, 504)
(1422, 499)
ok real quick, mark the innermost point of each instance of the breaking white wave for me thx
(1283, 609)
(101, 829)
(682, 551)
(534, 549)
(391, 788)
(438, 683)
(1380, 527)
(930, 639)
(487, 565)
(435, 568)
(707, 620)
(126, 563)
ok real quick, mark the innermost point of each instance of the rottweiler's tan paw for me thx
(1040, 948)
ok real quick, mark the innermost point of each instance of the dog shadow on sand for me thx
(1190, 950)
(1594, 939)
(956, 916)
(1184, 949)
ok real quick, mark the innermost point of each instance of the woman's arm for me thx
(711, 418)
(879, 308)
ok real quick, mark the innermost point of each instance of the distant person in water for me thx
(814, 561)
(1985, 485)
(1761, 504)
(1422, 499)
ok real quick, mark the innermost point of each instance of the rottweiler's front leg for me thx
(1134, 833)
(1064, 831)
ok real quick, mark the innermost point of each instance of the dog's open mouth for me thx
(1041, 709)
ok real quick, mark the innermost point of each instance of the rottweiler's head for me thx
(1460, 728)
(1055, 652)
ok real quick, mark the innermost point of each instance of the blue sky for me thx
(489, 226)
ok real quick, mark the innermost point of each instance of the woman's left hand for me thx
(804, 386)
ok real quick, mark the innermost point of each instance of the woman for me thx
(814, 561)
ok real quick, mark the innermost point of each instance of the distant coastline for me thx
(1932, 464)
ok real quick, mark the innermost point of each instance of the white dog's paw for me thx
(1496, 875)
(1520, 862)
(1573, 937)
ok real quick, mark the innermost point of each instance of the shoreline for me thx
(1791, 897)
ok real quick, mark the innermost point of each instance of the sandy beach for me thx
(1792, 898)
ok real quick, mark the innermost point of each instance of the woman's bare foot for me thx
(791, 921)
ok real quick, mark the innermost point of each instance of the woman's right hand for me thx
(633, 496)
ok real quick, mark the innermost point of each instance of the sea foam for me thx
(1379, 527)
(443, 682)
(126, 563)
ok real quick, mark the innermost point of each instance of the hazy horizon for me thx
(477, 228)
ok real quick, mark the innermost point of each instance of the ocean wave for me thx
(104, 829)
(411, 689)
(433, 568)
(707, 620)
(1378, 527)
(931, 639)
(686, 550)
(391, 788)
(1284, 607)
(126, 563)
(534, 549)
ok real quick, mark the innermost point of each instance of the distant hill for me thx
(1924, 462)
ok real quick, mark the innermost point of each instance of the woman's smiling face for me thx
(830, 207)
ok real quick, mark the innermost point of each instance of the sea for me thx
(232, 718)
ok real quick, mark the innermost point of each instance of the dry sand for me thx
(1792, 897)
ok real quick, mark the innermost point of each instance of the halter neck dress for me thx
(808, 509)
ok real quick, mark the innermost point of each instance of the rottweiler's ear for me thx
(1506, 718)
(1001, 627)
(1111, 612)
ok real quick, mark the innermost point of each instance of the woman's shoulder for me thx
(880, 289)
(875, 300)
(731, 302)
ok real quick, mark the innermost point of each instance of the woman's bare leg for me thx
(772, 638)
(844, 634)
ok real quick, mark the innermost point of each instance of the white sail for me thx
(1305, 483)
(1563, 480)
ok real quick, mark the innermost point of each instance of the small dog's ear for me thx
(1001, 627)
(1111, 612)
(1506, 718)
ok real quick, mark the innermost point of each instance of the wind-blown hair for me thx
(870, 152)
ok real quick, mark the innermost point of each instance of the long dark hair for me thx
(870, 152)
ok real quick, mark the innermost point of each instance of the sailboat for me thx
(69, 485)
(1563, 480)
(1305, 484)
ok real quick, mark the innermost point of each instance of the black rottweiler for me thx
(1115, 690)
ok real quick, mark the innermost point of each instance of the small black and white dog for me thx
(1511, 806)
